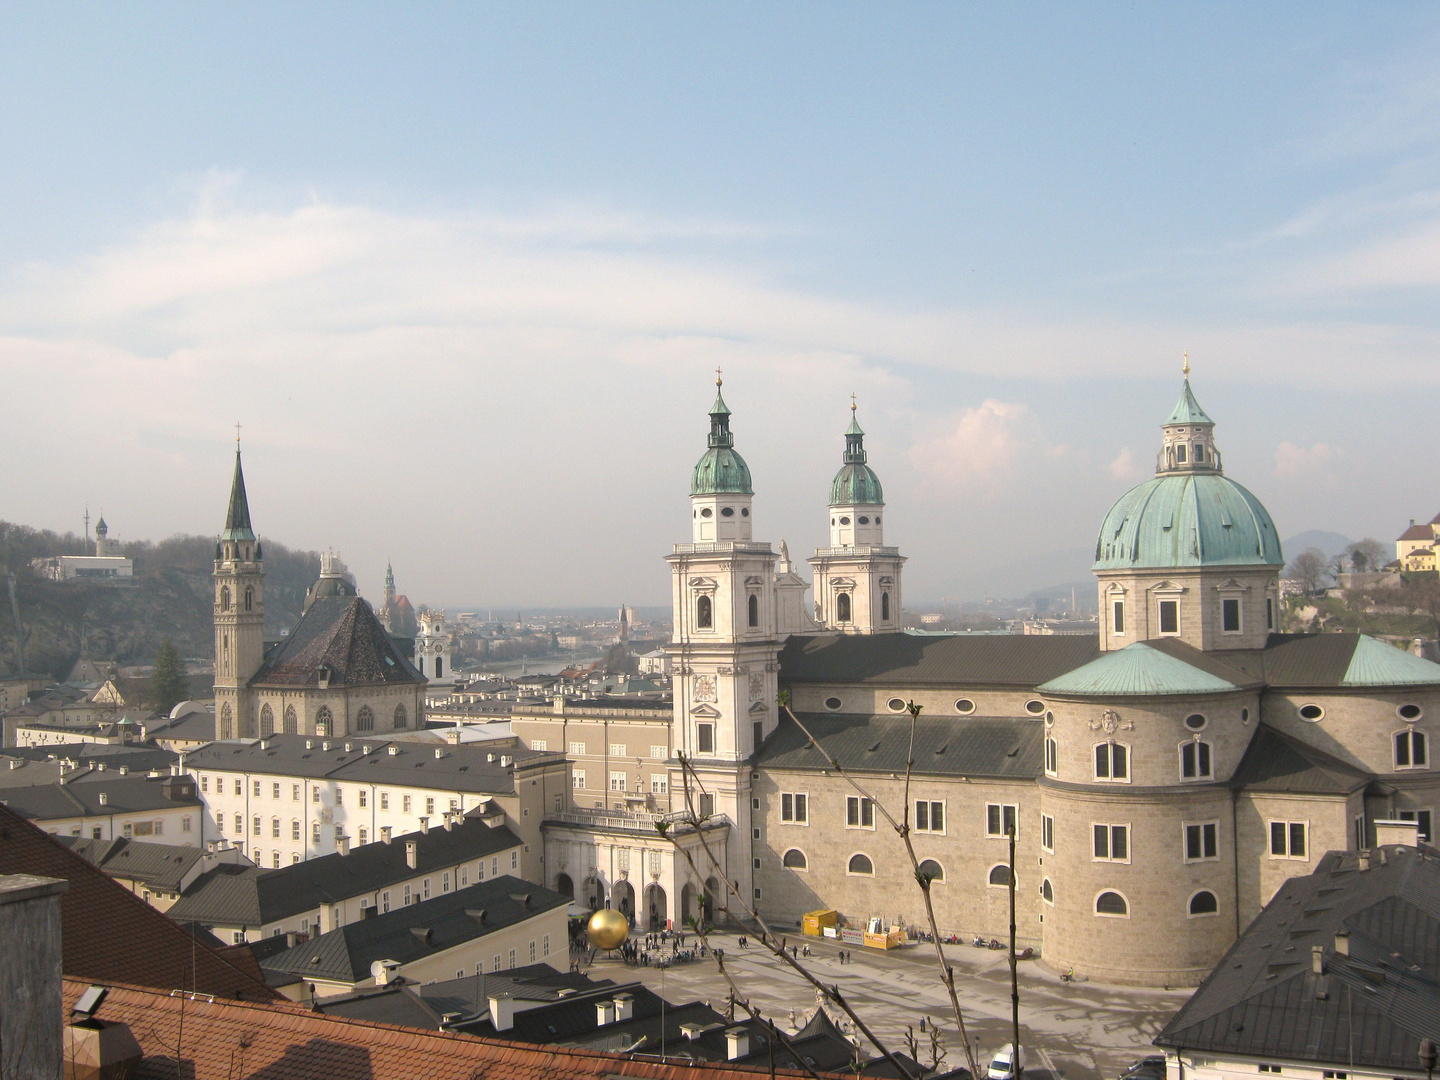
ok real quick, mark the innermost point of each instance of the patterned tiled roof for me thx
(342, 633)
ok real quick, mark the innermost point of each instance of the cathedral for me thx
(1162, 778)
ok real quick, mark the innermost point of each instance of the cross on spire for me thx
(1185, 367)
(718, 379)
(237, 434)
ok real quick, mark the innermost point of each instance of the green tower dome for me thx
(856, 483)
(721, 470)
(1190, 514)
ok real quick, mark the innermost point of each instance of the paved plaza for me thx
(1072, 1031)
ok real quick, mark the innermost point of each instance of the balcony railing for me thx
(628, 821)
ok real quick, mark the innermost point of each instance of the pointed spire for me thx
(854, 438)
(237, 517)
(720, 417)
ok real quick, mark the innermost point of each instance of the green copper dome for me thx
(721, 470)
(856, 483)
(1187, 519)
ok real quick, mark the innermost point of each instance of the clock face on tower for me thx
(705, 688)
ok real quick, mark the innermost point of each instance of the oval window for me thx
(1034, 707)
(965, 706)
(896, 704)
(1195, 722)
(744, 511)
(1409, 712)
(1244, 716)
(877, 519)
(728, 511)
(844, 521)
(832, 703)
(707, 512)
(1111, 903)
(1049, 719)
(1311, 713)
(864, 520)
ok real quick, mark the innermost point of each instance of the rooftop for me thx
(341, 635)
(900, 660)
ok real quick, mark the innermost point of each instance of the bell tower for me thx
(239, 613)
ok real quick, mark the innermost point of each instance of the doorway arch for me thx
(622, 899)
(687, 904)
(565, 886)
(656, 907)
(714, 898)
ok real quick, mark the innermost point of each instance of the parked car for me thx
(1149, 1068)
(1003, 1066)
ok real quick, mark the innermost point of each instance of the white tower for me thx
(432, 647)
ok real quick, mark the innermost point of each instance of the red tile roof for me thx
(222, 1039)
(1417, 532)
(109, 933)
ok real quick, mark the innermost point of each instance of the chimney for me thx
(1342, 942)
(604, 1013)
(624, 1006)
(1317, 959)
(504, 761)
(328, 921)
(1405, 833)
(449, 822)
(104, 799)
(342, 845)
(559, 704)
(410, 847)
(175, 769)
(291, 939)
(384, 971)
(439, 752)
(392, 749)
(30, 967)
(1363, 860)
(124, 770)
(347, 748)
(691, 1031)
(737, 1042)
(425, 824)
(385, 831)
(502, 1012)
(453, 736)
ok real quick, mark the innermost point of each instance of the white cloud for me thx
(1124, 466)
(981, 451)
(1318, 461)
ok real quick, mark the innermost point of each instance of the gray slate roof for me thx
(1368, 1010)
(345, 954)
(160, 866)
(916, 660)
(124, 795)
(946, 746)
(342, 633)
(1276, 762)
(257, 896)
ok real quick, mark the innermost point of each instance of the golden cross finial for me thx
(718, 379)
(1185, 367)
(852, 402)
(237, 434)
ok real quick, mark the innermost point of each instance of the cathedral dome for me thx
(721, 470)
(856, 483)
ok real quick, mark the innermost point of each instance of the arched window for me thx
(401, 718)
(224, 597)
(1195, 760)
(267, 722)
(1000, 875)
(1112, 761)
(439, 667)
(420, 663)
(292, 725)
(885, 607)
(795, 859)
(1410, 750)
(704, 613)
(1047, 892)
(365, 719)
(1113, 904)
(323, 721)
(860, 864)
(931, 870)
(227, 721)
(249, 598)
(842, 607)
(1204, 903)
(1052, 757)
(754, 605)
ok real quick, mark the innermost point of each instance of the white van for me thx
(1003, 1067)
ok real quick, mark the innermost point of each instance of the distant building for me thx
(157, 873)
(1415, 548)
(106, 566)
(396, 614)
(433, 647)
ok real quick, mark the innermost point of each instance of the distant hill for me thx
(1331, 543)
(1051, 574)
(171, 599)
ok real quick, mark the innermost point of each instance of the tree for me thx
(1422, 596)
(1365, 555)
(169, 685)
(1309, 569)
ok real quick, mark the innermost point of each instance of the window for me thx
(1287, 839)
(1311, 713)
(256, 825)
(1034, 706)
(1359, 841)
(859, 813)
(315, 794)
(753, 608)
(1000, 875)
(185, 824)
(1422, 819)
(704, 615)
(1047, 832)
(617, 781)
(1201, 842)
(219, 825)
(1112, 843)
(1169, 616)
(294, 792)
(239, 788)
(860, 864)
(705, 738)
(795, 808)
(365, 719)
(405, 803)
(402, 718)
(1047, 891)
(884, 607)
(896, 704)
(659, 784)
(1180, 453)
(617, 749)
(205, 783)
(999, 819)
(514, 860)
(295, 829)
(1113, 905)
(364, 836)
(1052, 757)
(545, 945)
(1269, 613)
(1410, 750)
(577, 778)
(929, 816)
(842, 607)
(275, 791)
(384, 800)
(1230, 615)
(364, 797)
(445, 881)
(512, 958)
(532, 952)
(1204, 903)
(339, 796)
(659, 753)
(932, 871)
(1112, 762)
(1270, 1068)
(405, 897)
(275, 828)
(323, 719)
(964, 706)
(832, 703)
(1117, 616)
(1409, 712)
(429, 805)
(315, 833)
(706, 804)
(795, 860)
(577, 748)
(1195, 760)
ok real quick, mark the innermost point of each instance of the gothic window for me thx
(1047, 891)
(323, 720)
(401, 719)
(365, 719)
(227, 719)
(754, 607)
(249, 598)
(884, 607)
(704, 613)
(292, 725)
(267, 722)
(842, 607)
(224, 597)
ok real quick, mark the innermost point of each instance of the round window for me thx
(1311, 713)
(877, 519)
(728, 511)
(832, 703)
(844, 521)
(1049, 719)
(864, 521)
(965, 705)
(1034, 707)
(707, 512)
(1195, 722)
(1244, 716)
(896, 704)
(1410, 711)
(744, 511)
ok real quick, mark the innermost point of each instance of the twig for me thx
(767, 937)
(947, 973)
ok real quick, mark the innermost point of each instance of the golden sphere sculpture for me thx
(607, 929)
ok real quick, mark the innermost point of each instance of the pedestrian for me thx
(794, 952)
(922, 1023)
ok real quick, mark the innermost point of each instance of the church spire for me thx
(237, 517)
(1188, 443)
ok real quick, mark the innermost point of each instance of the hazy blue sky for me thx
(464, 273)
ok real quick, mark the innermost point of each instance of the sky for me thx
(464, 273)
